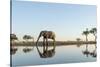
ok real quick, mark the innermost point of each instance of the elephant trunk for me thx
(37, 45)
(37, 40)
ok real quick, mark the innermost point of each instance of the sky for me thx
(66, 20)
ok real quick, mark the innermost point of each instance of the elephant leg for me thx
(54, 45)
(95, 46)
(46, 44)
(43, 44)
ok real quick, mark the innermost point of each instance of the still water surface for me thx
(24, 56)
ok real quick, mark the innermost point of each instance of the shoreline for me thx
(58, 43)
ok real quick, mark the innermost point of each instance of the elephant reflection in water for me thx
(47, 53)
(13, 50)
(87, 53)
(46, 35)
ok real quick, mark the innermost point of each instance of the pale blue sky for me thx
(66, 20)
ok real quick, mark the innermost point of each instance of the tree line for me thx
(92, 31)
(13, 37)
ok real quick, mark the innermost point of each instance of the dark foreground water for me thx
(23, 56)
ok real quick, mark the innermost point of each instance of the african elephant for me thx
(46, 35)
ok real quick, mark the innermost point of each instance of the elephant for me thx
(46, 35)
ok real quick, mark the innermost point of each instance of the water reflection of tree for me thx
(78, 42)
(87, 52)
(78, 45)
(13, 50)
(94, 52)
(27, 49)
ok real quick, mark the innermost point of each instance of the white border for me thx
(5, 31)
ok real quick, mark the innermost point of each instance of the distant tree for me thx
(78, 39)
(13, 37)
(86, 33)
(94, 32)
(78, 42)
(27, 37)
